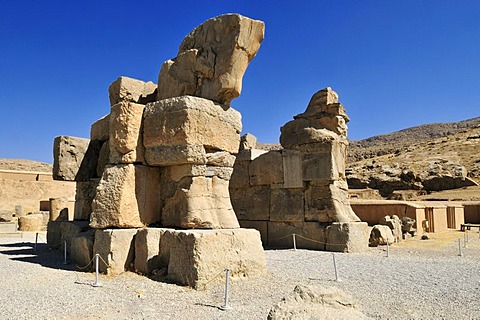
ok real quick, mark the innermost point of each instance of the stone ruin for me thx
(152, 187)
(301, 189)
(153, 180)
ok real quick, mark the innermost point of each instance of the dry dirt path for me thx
(419, 280)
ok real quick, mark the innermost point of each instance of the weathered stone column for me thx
(320, 135)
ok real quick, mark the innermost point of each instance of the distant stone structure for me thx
(301, 189)
(163, 157)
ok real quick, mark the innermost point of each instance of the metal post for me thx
(227, 287)
(466, 235)
(65, 252)
(459, 248)
(294, 243)
(465, 239)
(388, 250)
(36, 240)
(97, 282)
(335, 267)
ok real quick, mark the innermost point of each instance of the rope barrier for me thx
(204, 286)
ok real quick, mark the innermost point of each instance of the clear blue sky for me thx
(395, 64)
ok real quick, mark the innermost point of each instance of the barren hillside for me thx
(397, 141)
(24, 165)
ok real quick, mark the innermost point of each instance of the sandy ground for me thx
(419, 280)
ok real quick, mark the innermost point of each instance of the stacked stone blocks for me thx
(163, 157)
(301, 189)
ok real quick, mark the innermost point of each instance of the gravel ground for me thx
(419, 280)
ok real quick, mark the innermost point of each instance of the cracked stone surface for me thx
(212, 59)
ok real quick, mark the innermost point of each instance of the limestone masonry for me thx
(157, 176)
(301, 189)
(163, 157)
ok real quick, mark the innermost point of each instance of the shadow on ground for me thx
(42, 255)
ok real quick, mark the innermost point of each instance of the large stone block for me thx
(31, 222)
(267, 169)
(58, 209)
(147, 250)
(308, 235)
(286, 205)
(103, 158)
(197, 256)
(348, 237)
(128, 196)
(125, 141)
(327, 163)
(381, 235)
(117, 249)
(327, 201)
(251, 203)
(240, 176)
(212, 59)
(182, 122)
(81, 250)
(200, 202)
(86, 191)
(71, 229)
(260, 226)
(100, 129)
(292, 169)
(68, 154)
(131, 90)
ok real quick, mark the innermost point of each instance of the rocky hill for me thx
(450, 161)
(399, 140)
(24, 165)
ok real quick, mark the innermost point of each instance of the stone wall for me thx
(301, 189)
(27, 188)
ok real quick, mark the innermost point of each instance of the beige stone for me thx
(185, 127)
(147, 250)
(212, 59)
(68, 154)
(81, 250)
(260, 226)
(250, 154)
(328, 202)
(100, 129)
(328, 164)
(84, 196)
(197, 256)
(70, 230)
(380, 235)
(286, 205)
(201, 202)
(103, 158)
(316, 302)
(267, 169)
(248, 141)
(58, 209)
(251, 203)
(292, 169)
(127, 196)
(31, 222)
(308, 235)
(220, 159)
(125, 141)
(175, 155)
(240, 177)
(131, 90)
(347, 237)
(117, 248)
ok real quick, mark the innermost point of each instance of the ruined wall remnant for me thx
(302, 188)
(163, 157)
